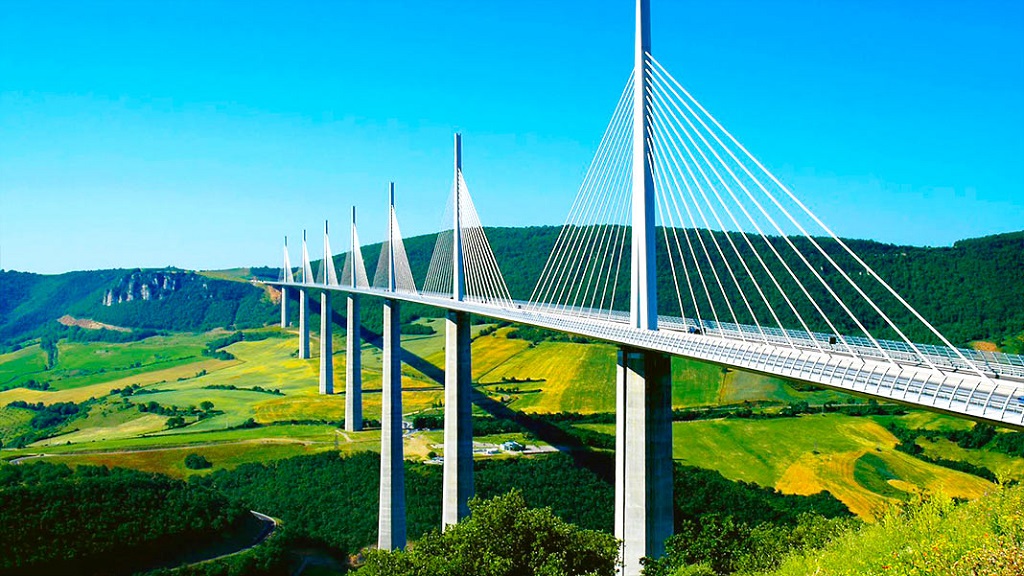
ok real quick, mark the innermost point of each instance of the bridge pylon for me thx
(457, 482)
(643, 434)
(353, 345)
(286, 276)
(304, 303)
(326, 326)
(391, 517)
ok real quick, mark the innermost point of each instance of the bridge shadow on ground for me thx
(376, 340)
(600, 463)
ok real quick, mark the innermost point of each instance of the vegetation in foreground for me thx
(936, 535)
(62, 521)
(502, 537)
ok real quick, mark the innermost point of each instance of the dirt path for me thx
(269, 525)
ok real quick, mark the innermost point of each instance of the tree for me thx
(197, 462)
(502, 537)
(206, 405)
(175, 422)
(48, 343)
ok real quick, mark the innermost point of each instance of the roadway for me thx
(937, 381)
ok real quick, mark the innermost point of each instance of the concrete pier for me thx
(326, 345)
(643, 455)
(391, 520)
(284, 307)
(458, 424)
(353, 368)
(303, 325)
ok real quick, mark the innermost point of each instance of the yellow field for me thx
(143, 424)
(171, 461)
(83, 393)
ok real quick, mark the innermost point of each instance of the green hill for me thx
(166, 299)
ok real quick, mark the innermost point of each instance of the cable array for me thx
(327, 274)
(587, 272)
(439, 279)
(403, 272)
(748, 260)
(483, 280)
(755, 262)
(355, 253)
(287, 274)
(307, 268)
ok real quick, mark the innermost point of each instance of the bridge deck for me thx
(995, 394)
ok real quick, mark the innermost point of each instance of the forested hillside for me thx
(146, 299)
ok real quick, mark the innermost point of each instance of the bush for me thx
(502, 537)
(197, 462)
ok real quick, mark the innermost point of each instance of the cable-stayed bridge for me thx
(758, 282)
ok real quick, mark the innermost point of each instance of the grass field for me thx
(231, 274)
(929, 421)
(14, 422)
(171, 461)
(82, 364)
(17, 367)
(166, 452)
(87, 370)
(83, 393)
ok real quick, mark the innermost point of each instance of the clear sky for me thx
(197, 134)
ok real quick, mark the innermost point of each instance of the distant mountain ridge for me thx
(973, 290)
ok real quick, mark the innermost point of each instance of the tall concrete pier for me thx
(391, 523)
(643, 455)
(458, 423)
(284, 307)
(353, 368)
(303, 324)
(326, 345)
(391, 517)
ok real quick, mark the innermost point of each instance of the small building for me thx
(512, 446)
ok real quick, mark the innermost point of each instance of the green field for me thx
(96, 367)
(17, 367)
(1005, 467)
(13, 422)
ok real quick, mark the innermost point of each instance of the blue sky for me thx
(196, 134)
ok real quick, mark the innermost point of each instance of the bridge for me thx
(758, 283)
